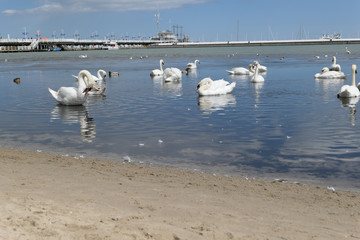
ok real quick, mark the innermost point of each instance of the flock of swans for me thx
(207, 86)
(334, 72)
(89, 84)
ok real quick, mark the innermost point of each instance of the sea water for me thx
(292, 126)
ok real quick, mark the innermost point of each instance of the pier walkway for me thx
(28, 45)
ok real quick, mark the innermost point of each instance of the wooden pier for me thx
(30, 45)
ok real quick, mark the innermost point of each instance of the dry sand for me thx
(46, 196)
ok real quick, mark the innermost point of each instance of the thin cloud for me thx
(74, 6)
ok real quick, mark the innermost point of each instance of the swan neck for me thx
(161, 68)
(256, 70)
(353, 78)
(85, 83)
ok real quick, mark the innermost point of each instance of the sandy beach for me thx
(46, 196)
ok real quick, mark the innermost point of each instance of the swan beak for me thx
(197, 88)
(87, 90)
(355, 71)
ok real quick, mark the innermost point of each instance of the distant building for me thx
(168, 36)
(331, 36)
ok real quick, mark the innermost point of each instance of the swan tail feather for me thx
(53, 93)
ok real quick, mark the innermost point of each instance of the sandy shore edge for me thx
(45, 196)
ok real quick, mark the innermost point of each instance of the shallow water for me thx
(291, 126)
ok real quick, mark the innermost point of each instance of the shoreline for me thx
(47, 196)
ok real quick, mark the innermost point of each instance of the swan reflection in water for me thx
(193, 73)
(209, 104)
(350, 103)
(73, 115)
(257, 91)
(172, 88)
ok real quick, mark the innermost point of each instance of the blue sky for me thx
(202, 20)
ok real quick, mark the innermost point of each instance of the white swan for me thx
(192, 65)
(158, 72)
(172, 74)
(96, 78)
(217, 87)
(335, 66)
(239, 71)
(256, 78)
(99, 86)
(261, 68)
(347, 91)
(99, 77)
(72, 95)
(247, 71)
(326, 74)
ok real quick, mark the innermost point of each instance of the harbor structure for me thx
(45, 44)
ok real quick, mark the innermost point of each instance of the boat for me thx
(55, 49)
(110, 45)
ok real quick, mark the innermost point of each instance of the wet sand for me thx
(46, 196)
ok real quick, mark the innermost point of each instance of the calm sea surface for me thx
(291, 126)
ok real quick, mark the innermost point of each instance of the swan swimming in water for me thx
(247, 71)
(96, 78)
(191, 66)
(217, 87)
(239, 71)
(158, 72)
(261, 68)
(335, 66)
(256, 78)
(72, 95)
(99, 86)
(326, 74)
(351, 91)
(99, 77)
(172, 74)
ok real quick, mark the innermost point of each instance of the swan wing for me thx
(335, 67)
(176, 72)
(257, 78)
(330, 75)
(54, 94)
(262, 68)
(347, 91)
(218, 87)
(240, 71)
(156, 72)
(171, 74)
(68, 96)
